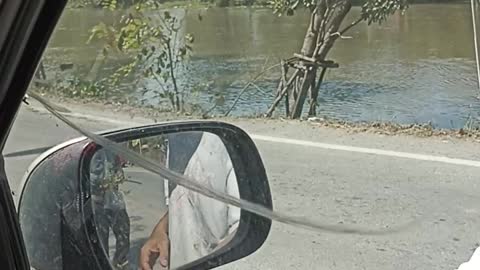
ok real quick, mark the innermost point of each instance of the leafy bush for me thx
(75, 87)
(152, 41)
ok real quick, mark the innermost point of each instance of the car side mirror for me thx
(82, 206)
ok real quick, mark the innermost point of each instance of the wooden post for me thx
(302, 94)
(281, 94)
(314, 93)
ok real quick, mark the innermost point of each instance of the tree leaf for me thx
(190, 38)
(167, 15)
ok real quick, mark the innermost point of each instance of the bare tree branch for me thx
(344, 30)
(172, 76)
(259, 89)
(248, 85)
(282, 93)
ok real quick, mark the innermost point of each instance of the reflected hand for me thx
(156, 247)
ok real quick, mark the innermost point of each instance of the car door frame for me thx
(25, 28)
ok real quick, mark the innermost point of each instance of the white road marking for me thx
(372, 151)
(122, 123)
(337, 147)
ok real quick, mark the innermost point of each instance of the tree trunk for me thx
(322, 32)
(310, 40)
(96, 67)
(296, 96)
(317, 47)
(332, 32)
(306, 83)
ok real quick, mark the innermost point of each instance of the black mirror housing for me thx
(73, 204)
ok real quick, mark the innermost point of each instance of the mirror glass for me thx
(143, 221)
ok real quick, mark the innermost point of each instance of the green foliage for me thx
(79, 3)
(373, 11)
(113, 180)
(75, 87)
(109, 4)
(153, 44)
(287, 7)
(117, 4)
(377, 11)
(153, 148)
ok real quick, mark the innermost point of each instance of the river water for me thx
(415, 68)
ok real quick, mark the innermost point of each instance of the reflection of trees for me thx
(68, 44)
(438, 32)
(441, 31)
(247, 32)
(153, 148)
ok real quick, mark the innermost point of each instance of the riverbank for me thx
(192, 4)
(148, 115)
(433, 82)
(245, 3)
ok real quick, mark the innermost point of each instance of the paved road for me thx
(146, 204)
(344, 187)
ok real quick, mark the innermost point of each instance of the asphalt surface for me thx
(439, 200)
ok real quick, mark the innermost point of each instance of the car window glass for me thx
(390, 139)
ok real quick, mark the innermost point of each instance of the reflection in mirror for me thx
(198, 225)
(144, 222)
(126, 199)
